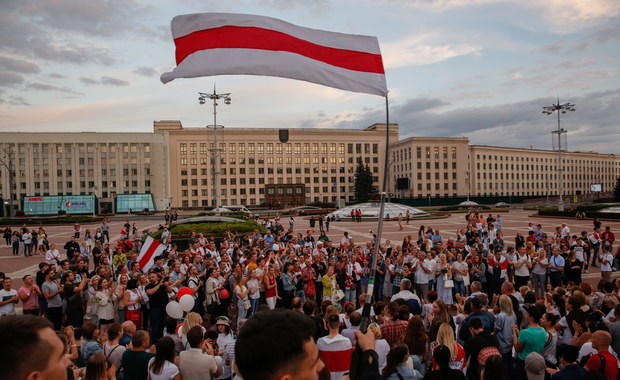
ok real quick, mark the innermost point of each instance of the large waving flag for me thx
(226, 43)
(150, 249)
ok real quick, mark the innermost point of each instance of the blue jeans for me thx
(254, 307)
(459, 287)
(241, 310)
(349, 296)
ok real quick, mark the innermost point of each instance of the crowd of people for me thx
(476, 306)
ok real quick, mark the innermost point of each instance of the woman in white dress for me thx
(443, 272)
(105, 304)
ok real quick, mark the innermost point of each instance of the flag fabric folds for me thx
(228, 44)
(150, 249)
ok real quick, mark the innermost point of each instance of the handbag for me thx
(247, 304)
(338, 294)
(448, 284)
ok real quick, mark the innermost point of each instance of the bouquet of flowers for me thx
(95, 300)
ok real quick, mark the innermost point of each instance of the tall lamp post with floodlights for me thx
(215, 155)
(559, 108)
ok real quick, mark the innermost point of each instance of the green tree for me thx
(364, 189)
(617, 190)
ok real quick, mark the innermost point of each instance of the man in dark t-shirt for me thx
(157, 290)
(72, 293)
(135, 361)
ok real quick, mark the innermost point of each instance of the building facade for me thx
(104, 164)
(281, 168)
(257, 168)
(450, 167)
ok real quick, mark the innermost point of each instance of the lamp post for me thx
(548, 110)
(215, 155)
(7, 161)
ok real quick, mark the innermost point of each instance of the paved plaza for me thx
(514, 220)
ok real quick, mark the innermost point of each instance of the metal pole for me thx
(560, 165)
(216, 155)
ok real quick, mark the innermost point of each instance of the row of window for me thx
(280, 148)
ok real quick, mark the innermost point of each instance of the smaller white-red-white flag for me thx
(150, 249)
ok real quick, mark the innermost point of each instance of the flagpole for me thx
(355, 371)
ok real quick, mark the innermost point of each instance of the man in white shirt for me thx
(198, 362)
(422, 272)
(607, 260)
(52, 256)
(8, 298)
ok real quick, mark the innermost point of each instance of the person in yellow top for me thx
(329, 284)
(119, 259)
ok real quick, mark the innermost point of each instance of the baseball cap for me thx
(535, 366)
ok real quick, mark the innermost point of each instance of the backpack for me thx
(486, 353)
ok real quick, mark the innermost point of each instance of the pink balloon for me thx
(183, 291)
(224, 294)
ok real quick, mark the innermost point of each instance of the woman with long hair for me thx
(105, 304)
(416, 340)
(119, 291)
(193, 319)
(441, 356)
(271, 287)
(440, 316)
(443, 273)
(503, 328)
(242, 293)
(97, 368)
(395, 367)
(162, 366)
(446, 337)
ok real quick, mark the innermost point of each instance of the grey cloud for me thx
(145, 71)
(93, 17)
(88, 81)
(518, 124)
(18, 65)
(50, 87)
(107, 81)
(56, 76)
(8, 79)
(17, 101)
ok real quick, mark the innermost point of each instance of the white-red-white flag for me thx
(150, 249)
(227, 43)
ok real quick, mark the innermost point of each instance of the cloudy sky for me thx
(476, 68)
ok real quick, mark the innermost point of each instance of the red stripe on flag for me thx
(149, 252)
(337, 361)
(239, 37)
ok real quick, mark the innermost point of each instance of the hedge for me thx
(571, 214)
(181, 232)
(29, 221)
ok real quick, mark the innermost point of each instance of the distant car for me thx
(235, 209)
(222, 210)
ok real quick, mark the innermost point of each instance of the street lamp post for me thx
(548, 110)
(7, 161)
(215, 155)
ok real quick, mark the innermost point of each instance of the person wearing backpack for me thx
(603, 361)
(479, 341)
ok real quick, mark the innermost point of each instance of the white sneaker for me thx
(587, 271)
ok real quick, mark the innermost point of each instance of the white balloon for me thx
(187, 302)
(174, 310)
